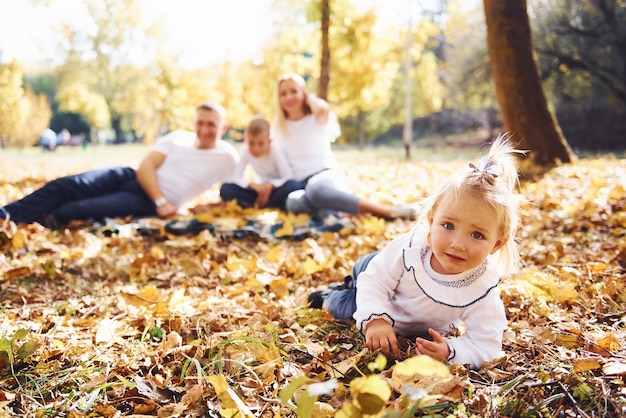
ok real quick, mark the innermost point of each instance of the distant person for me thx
(63, 137)
(273, 177)
(305, 128)
(442, 274)
(85, 140)
(181, 166)
(48, 140)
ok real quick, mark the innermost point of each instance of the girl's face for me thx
(291, 97)
(462, 234)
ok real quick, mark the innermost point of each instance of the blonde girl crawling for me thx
(444, 273)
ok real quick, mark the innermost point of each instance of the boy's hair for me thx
(257, 126)
(216, 107)
(492, 180)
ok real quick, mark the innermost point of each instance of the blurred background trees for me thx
(117, 83)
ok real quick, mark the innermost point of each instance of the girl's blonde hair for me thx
(280, 120)
(492, 180)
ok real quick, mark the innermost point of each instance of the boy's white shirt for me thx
(399, 286)
(268, 168)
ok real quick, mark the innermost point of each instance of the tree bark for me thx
(322, 89)
(523, 105)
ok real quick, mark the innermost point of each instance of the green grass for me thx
(100, 155)
(434, 149)
(132, 154)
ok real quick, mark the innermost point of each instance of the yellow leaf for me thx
(371, 393)
(254, 284)
(229, 223)
(610, 342)
(273, 255)
(310, 266)
(157, 253)
(597, 267)
(280, 287)
(229, 398)
(586, 364)
(149, 293)
(323, 410)
(18, 241)
(379, 364)
(348, 410)
(566, 340)
(565, 292)
(205, 217)
(421, 365)
(286, 230)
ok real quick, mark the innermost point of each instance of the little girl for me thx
(444, 273)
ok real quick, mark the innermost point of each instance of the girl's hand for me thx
(379, 334)
(437, 349)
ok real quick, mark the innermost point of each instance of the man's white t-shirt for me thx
(188, 171)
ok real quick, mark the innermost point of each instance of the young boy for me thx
(273, 178)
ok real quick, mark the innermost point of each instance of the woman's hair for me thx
(280, 120)
(492, 180)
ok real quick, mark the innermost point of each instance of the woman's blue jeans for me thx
(95, 194)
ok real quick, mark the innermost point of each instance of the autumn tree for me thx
(427, 88)
(584, 36)
(523, 105)
(100, 66)
(23, 114)
(466, 64)
(322, 89)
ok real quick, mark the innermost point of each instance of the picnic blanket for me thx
(235, 223)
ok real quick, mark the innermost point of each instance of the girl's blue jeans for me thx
(342, 303)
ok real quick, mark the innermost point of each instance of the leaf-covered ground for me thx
(95, 323)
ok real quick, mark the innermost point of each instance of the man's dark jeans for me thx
(95, 194)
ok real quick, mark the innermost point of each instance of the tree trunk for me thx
(360, 127)
(322, 89)
(116, 124)
(407, 132)
(523, 105)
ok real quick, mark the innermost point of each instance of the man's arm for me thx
(147, 178)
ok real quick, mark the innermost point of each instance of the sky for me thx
(237, 28)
